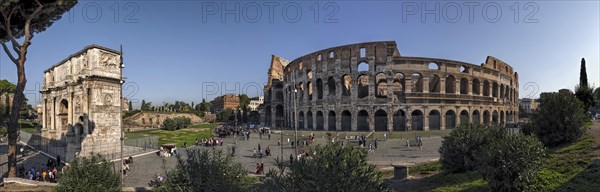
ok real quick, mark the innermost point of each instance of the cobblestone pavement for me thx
(147, 167)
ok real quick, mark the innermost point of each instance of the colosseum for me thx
(371, 87)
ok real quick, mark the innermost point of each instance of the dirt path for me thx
(594, 130)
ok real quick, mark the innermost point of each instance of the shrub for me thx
(176, 123)
(204, 170)
(333, 168)
(458, 150)
(93, 173)
(559, 120)
(510, 163)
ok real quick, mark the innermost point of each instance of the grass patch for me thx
(426, 168)
(204, 125)
(569, 168)
(179, 137)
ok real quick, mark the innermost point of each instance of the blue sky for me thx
(179, 50)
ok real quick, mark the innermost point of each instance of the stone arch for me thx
(309, 89)
(476, 86)
(486, 117)
(463, 69)
(398, 85)
(279, 116)
(268, 116)
(320, 121)
(309, 120)
(362, 121)
(476, 116)
(319, 88)
(494, 89)
(381, 120)
(382, 86)
(64, 107)
(433, 66)
(450, 119)
(434, 120)
(486, 88)
(331, 86)
(346, 121)
(331, 121)
(464, 117)
(363, 67)
(495, 117)
(301, 90)
(417, 82)
(363, 86)
(417, 120)
(399, 121)
(346, 85)
(464, 86)
(502, 118)
(434, 83)
(301, 120)
(450, 84)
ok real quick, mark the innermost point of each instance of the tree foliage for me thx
(333, 168)
(459, 149)
(176, 123)
(559, 120)
(510, 163)
(225, 115)
(204, 170)
(93, 173)
(6, 86)
(244, 100)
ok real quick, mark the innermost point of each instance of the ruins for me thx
(81, 101)
(371, 87)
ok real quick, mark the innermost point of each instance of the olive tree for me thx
(333, 168)
(93, 173)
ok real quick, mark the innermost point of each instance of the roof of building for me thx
(81, 52)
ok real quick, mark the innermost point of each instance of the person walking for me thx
(407, 143)
(254, 153)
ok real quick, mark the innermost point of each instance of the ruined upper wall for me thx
(93, 60)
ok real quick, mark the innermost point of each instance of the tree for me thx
(204, 170)
(93, 173)
(244, 100)
(333, 168)
(459, 149)
(583, 91)
(130, 106)
(5, 88)
(558, 120)
(176, 123)
(21, 20)
(225, 115)
(510, 163)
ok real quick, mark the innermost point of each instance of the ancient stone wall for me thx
(156, 119)
(369, 86)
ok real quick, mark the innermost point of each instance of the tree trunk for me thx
(13, 125)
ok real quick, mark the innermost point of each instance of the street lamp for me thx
(295, 119)
(121, 81)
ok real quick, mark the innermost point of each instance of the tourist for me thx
(254, 153)
(257, 168)
(44, 175)
(291, 159)
(407, 143)
(375, 143)
(58, 160)
(384, 136)
(371, 149)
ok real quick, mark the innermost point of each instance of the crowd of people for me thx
(45, 172)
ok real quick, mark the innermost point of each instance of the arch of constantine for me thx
(81, 101)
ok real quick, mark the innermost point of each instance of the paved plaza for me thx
(391, 151)
(147, 166)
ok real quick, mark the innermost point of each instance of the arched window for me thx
(346, 85)
(363, 67)
(434, 84)
(382, 86)
(476, 86)
(464, 85)
(363, 86)
(433, 66)
(319, 89)
(450, 84)
(417, 82)
(331, 86)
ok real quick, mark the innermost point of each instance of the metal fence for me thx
(107, 150)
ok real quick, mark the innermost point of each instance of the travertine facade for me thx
(370, 86)
(81, 100)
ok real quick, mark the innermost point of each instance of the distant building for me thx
(229, 101)
(255, 102)
(529, 105)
